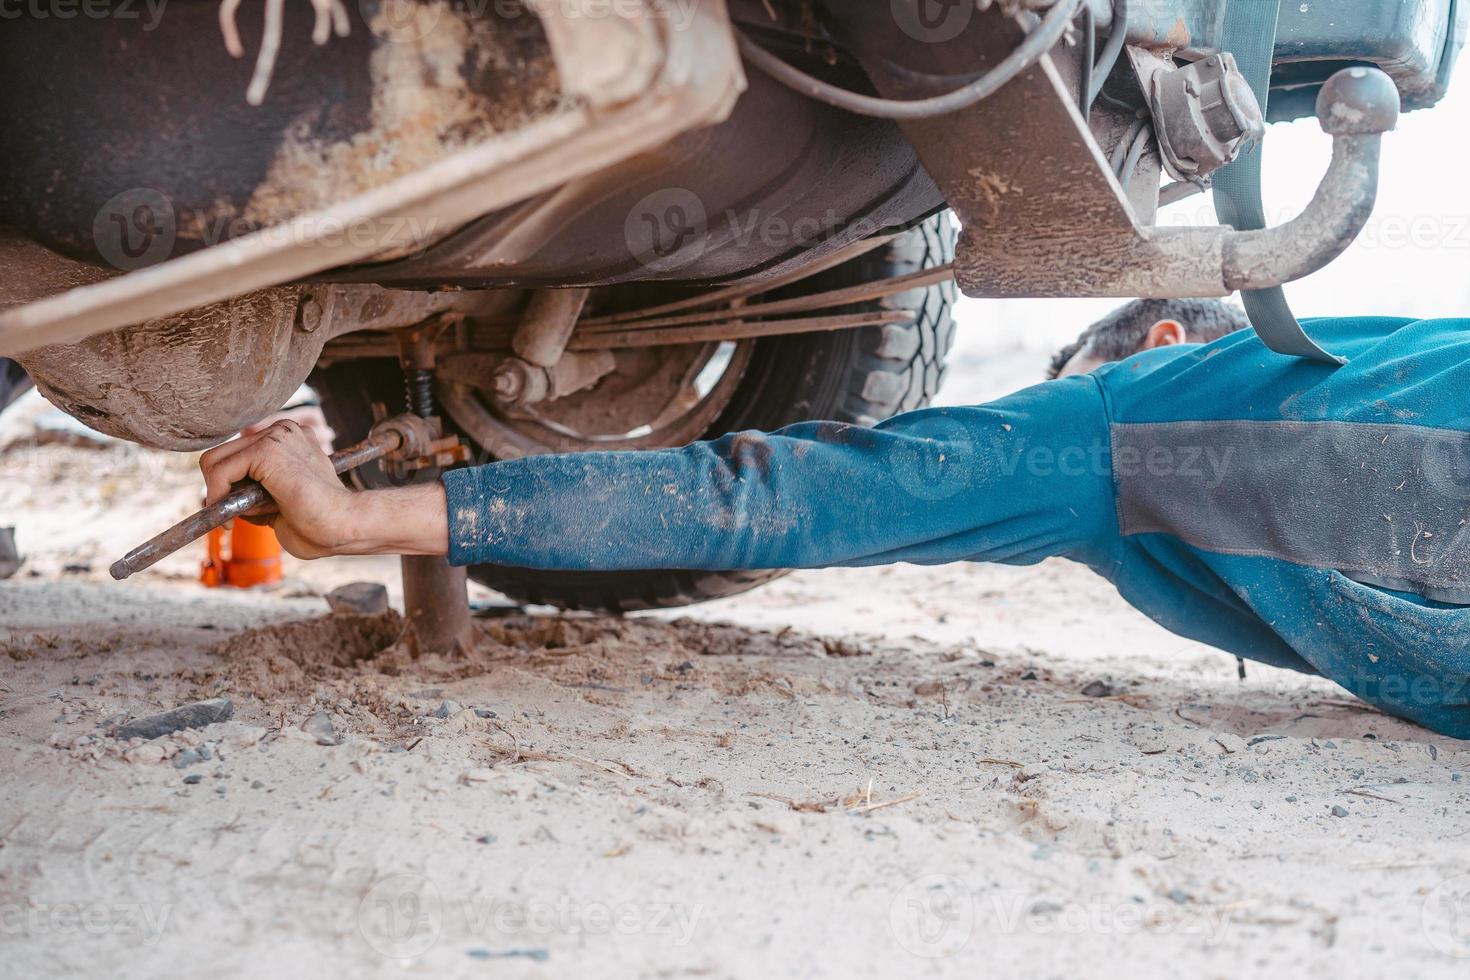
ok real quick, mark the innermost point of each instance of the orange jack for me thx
(254, 556)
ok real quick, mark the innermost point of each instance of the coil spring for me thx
(419, 392)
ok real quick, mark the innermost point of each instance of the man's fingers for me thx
(281, 432)
(213, 457)
(226, 465)
(222, 474)
(283, 443)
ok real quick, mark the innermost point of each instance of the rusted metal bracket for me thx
(541, 368)
(1044, 215)
(1060, 225)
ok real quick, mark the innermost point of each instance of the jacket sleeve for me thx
(1017, 480)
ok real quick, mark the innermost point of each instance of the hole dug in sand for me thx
(285, 659)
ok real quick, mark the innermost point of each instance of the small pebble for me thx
(447, 708)
(187, 758)
(359, 598)
(320, 725)
(1339, 810)
(193, 778)
(1230, 742)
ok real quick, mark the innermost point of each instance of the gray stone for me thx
(1339, 810)
(448, 708)
(359, 598)
(187, 758)
(320, 725)
(196, 715)
(10, 559)
(193, 779)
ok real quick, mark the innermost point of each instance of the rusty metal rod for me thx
(810, 303)
(734, 329)
(246, 496)
(356, 345)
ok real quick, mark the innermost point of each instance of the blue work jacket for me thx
(1283, 510)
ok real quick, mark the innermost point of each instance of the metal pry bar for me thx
(403, 435)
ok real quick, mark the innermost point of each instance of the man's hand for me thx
(318, 515)
(315, 509)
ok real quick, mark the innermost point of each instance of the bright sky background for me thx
(1412, 260)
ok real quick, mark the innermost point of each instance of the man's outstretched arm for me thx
(1016, 480)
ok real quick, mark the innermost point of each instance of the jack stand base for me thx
(436, 599)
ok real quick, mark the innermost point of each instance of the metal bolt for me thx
(508, 383)
(309, 316)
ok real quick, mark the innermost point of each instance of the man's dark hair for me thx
(1122, 332)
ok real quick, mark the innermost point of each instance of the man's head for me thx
(1144, 324)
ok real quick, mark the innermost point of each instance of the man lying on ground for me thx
(1288, 511)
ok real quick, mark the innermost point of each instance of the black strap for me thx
(1249, 33)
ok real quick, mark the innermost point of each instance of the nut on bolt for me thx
(309, 315)
(516, 382)
(416, 435)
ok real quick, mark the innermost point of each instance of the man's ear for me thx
(1164, 334)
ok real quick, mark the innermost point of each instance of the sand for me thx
(965, 771)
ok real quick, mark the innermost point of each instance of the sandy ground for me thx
(903, 771)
